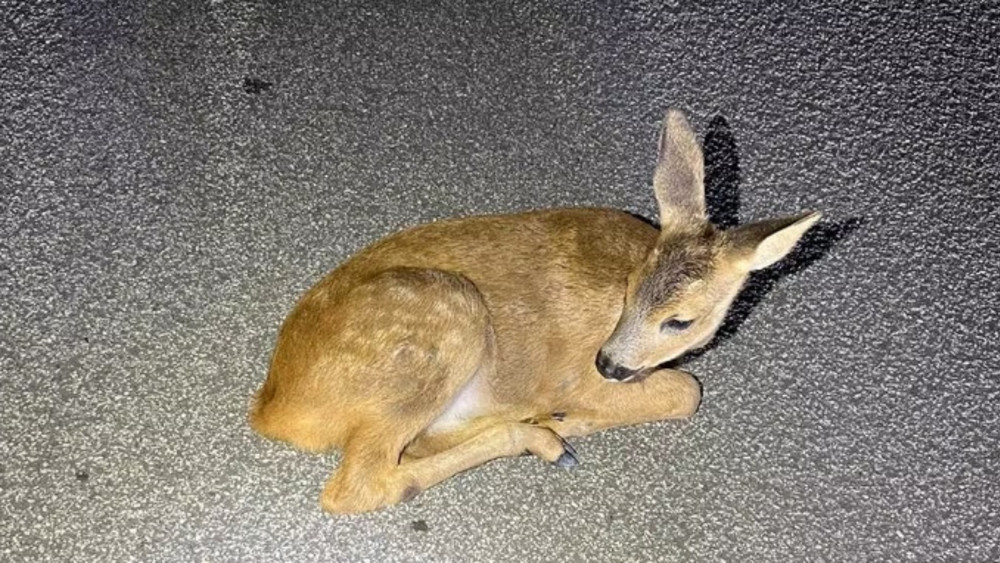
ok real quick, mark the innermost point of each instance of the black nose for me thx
(610, 370)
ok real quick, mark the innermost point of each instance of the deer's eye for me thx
(675, 324)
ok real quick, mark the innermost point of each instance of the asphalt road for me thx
(173, 175)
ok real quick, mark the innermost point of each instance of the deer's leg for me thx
(666, 394)
(428, 444)
(368, 480)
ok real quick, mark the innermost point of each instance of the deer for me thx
(450, 344)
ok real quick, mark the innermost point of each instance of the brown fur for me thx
(514, 307)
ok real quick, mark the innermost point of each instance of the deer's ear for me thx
(679, 181)
(763, 243)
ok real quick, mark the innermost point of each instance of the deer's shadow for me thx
(722, 196)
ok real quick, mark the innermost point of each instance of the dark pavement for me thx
(174, 174)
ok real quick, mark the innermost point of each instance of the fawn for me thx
(450, 344)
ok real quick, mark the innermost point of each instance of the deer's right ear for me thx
(763, 243)
(679, 181)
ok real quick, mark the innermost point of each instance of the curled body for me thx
(450, 344)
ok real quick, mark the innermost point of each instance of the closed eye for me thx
(675, 324)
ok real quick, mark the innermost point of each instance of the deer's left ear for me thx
(679, 181)
(763, 243)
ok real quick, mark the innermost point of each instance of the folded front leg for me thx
(665, 394)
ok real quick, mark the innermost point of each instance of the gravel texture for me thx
(174, 174)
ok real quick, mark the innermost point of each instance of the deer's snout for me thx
(611, 370)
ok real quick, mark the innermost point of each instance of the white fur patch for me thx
(469, 402)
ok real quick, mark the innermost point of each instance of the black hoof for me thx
(568, 447)
(567, 460)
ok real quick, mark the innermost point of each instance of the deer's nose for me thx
(611, 370)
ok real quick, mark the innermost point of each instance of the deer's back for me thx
(553, 280)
